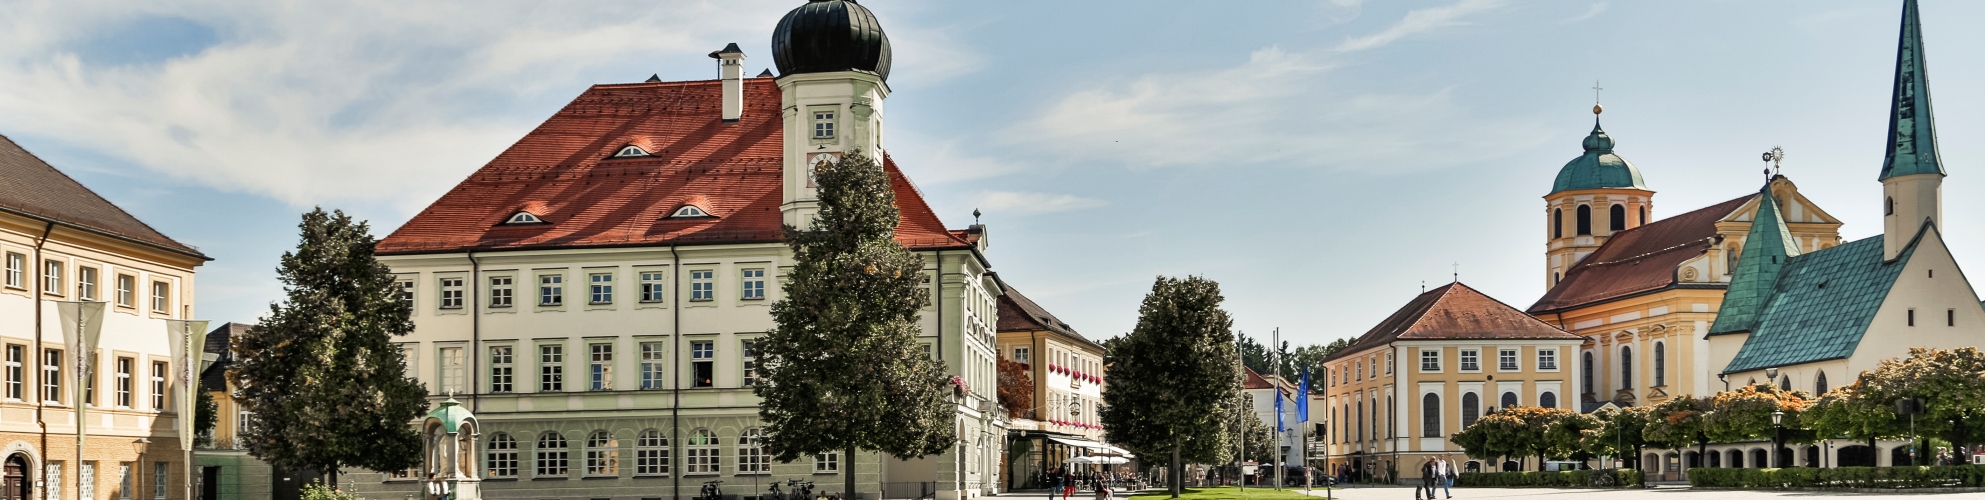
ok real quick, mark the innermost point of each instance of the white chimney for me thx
(730, 63)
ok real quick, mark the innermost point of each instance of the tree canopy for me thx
(1173, 378)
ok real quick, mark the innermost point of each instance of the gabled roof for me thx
(1019, 313)
(219, 343)
(31, 187)
(1912, 144)
(1638, 260)
(1255, 380)
(594, 200)
(1821, 304)
(1454, 311)
(1768, 248)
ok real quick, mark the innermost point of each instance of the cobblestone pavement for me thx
(1659, 493)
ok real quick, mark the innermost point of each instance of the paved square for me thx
(1659, 493)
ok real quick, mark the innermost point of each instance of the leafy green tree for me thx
(1678, 424)
(205, 413)
(1622, 433)
(320, 373)
(1254, 355)
(1847, 412)
(1745, 414)
(1172, 379)
(1949, 382)
(1520, 431)
(1259, 443)
(843, 367)
(1566, 439)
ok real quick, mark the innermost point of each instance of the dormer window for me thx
(524, 218)
(630, 152)
(689, 211)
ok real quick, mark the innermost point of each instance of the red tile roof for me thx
(1017, 313)
(564, 173)
(32, 187)
(1638, 260)
(1255, 380)
(1454, 311)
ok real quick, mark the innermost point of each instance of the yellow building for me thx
(1644, 293)
(1395, 395)
(1067, 371)
(61, 242)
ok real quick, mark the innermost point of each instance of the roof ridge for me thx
(167, 244)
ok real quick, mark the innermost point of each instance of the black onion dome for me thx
(830, 35)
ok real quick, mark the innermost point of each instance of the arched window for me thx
(551, 455)
(689, 211)
(502, 456)
(1819, 384)
(1584, 220)
(1430, 416)
(1660, 364)
(630, 151)
(1586, 372)
(1643, 214)
(1730, 260)
(1391, 427)
(1547, 400)
(602, 454)
(1785, 384)
(702, 452)
(1626, 367)
(1509, 400)
(1471, 409)
(1889, 205)
(1361, 421)
(1618, 214)
(651, 453)
(1557, 223)
(523, 218)
(751, 457)
(1555, 276)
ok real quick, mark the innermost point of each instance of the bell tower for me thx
(833, 61)
(1912, 177)
(1595, 195)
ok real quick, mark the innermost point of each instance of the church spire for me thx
(1767, 250)
(1912, 146)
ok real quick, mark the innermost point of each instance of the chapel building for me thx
(593, 293)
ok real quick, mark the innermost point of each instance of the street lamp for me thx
(1778, 434)
(139, 447)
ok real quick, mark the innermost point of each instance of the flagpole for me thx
(1275, 359)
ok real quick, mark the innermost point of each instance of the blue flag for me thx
(1278, 412)
(1303, 398)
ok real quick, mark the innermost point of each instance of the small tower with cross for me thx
(1595, 195)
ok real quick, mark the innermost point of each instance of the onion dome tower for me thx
(1595, 195)
(833, 60)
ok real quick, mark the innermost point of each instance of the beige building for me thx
(1067, 371)
(1400, 390)
(61, 242)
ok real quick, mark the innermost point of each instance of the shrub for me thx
(1549, 479)
(1841, 477)
(317, 491)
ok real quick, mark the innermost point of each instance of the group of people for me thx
(1066, 483)
(1438, 472)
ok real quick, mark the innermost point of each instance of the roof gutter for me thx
(53, 222)
(41, 402)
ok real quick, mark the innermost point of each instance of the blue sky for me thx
(1321, 159)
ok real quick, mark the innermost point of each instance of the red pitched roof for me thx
(1255, 380)
(1638, 260)
(1454, 311)
(564, 173)
(32, 187)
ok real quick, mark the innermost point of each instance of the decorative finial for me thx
(1773, 160)
(975, 216)
(1596, 108)
(1457, 272)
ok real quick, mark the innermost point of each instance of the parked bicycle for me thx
(712, 491)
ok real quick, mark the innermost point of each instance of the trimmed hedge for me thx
(1551, 479)
(1946, 476)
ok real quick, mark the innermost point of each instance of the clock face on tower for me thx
(813, 161)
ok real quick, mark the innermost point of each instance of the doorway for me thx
(210, 483)
(14, 483)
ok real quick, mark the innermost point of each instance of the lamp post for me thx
(1777, 435)
(138, 464)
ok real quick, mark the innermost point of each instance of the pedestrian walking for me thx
(1443, 476)
(436, 489)
(1426, 480)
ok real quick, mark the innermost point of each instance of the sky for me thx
(1323, 160)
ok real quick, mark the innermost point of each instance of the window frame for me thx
(702, 285)
(126, 387)
(161, 391)
(751, 284)
(16, 277)
(449, 373)
(51, 375)
(16, 372)
(825, 123)
(161, 297)
(451, 290)
(127, 296)
(748, 375)
(502, 291)
(651, 454)
(502, 369)
(703, 364)
(599, 288)
(1509, 360)
(549, 461)
(551, 290)
(86, 283)
(551, 368)
(599, 366)
(653, 286)
(1430, 360)
(654, 365)
(1471, 359)
(602, 454)
(751, 457)
(1547, 359)
(703, 453)
(500, 456)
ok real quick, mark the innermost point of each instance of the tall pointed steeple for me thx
(1912, 146)
(1767, 249)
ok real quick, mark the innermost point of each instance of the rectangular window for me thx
(51, 376)
(86, 283)
(125, 482)
(451, 293)
(651, 287)
(451, 370)
(703, 363)
(551, 368)
(502, 369)
(51, 278)
(124, 383)
(1506, 359)
(16, 268)
(1547, 359)
(654, 362)
(754, 284)
(406, 291)
(749, 355)
(159, 480)
(602, 288)
(501, 291)
(161, 290)
(159, 369)
(1388, 363)
(16, 373)
(1912, 317)
(1020, 355)
(1430, 360)
(701, 286)
(551, 290)
(1471, 360)
(86, 482)
(1950, 317)
(600, 370)
(823, 124)
(54, 479)
(125, 293)
(826, 463)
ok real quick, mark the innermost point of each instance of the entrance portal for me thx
(14, 483)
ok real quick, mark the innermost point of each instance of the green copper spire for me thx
(1767, 249)
(1912, 146)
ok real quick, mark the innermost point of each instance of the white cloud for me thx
(1420, 21)
(1033, 203)
(1590, 13)
(384, 102)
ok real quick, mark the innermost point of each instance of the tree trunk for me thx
(334, 478)
(1177, 472)
(848, 475)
